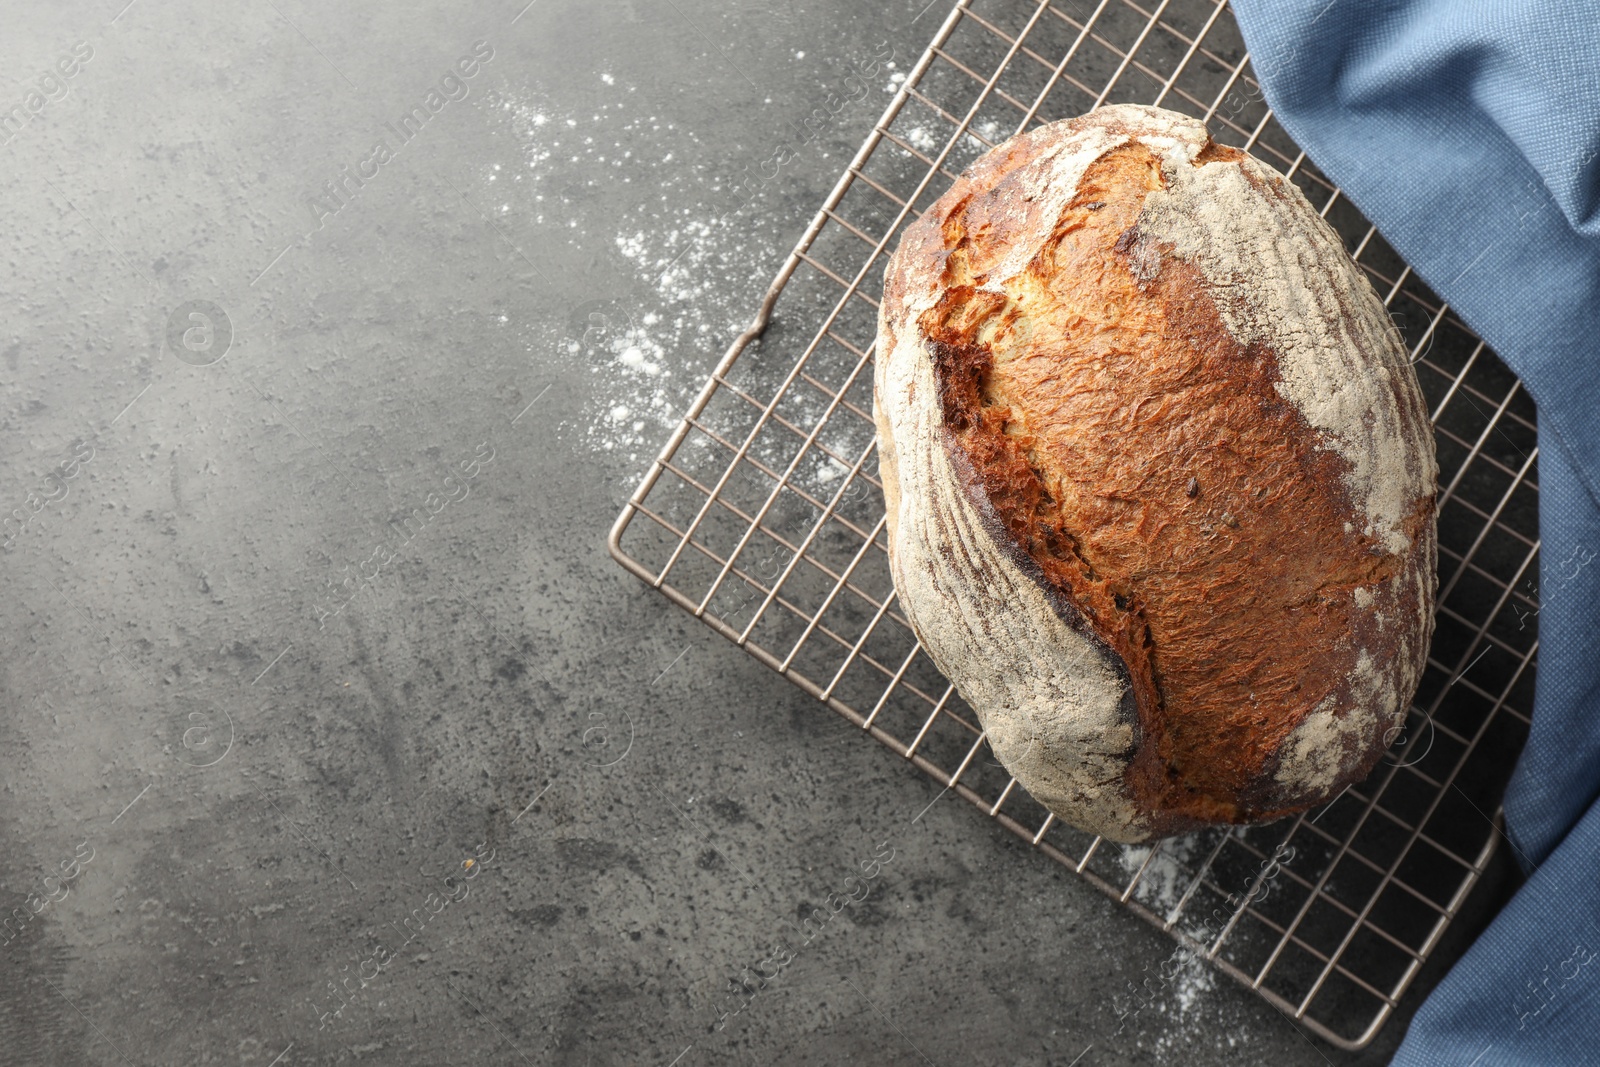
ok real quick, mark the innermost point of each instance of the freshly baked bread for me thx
(1160, 480)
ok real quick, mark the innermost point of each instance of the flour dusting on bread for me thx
(1245, 227)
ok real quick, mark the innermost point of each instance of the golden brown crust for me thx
(1150, 465)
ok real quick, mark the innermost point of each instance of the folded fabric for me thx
(1469, 133)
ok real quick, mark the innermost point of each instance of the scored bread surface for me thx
(1160, 481)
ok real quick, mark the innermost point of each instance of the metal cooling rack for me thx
(764, 517)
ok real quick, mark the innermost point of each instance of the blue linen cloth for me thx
(1468, 131)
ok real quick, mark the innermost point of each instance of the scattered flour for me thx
(921, 138)
(1195, 979)
(1186, 977)
(700, 262)
(929, 140)
(990, 130)
(1169, 873)
(697, 276)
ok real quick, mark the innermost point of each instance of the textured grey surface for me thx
(267, 780)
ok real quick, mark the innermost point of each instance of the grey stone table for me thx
(330, 731)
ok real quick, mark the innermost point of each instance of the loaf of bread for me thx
(1159, 475)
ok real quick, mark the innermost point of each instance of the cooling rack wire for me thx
(763, 516)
